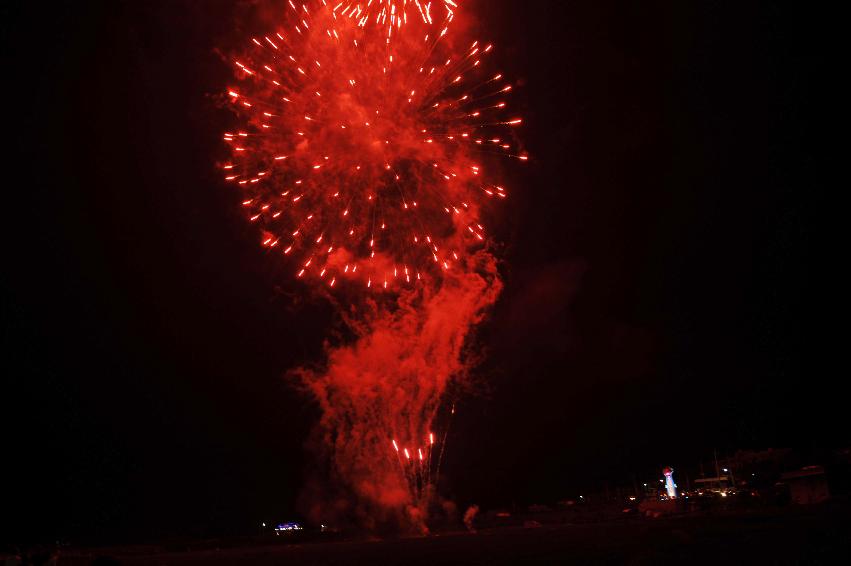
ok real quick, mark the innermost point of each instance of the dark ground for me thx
(815, 535)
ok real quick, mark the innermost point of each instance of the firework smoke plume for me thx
(371, 134)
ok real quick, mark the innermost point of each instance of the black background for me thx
(662, 297)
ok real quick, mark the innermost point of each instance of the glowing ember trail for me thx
(393, 14)
(370, 138)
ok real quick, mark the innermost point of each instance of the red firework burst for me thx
(362, 154)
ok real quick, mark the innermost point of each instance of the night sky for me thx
(663, 296)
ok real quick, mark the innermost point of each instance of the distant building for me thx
(718, 484)
(807, 485)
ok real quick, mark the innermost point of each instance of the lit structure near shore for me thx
(670, 486)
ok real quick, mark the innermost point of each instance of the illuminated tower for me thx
(670, 486)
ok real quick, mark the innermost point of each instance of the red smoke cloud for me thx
(388, 383)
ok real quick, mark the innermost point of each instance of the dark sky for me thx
(662, 297)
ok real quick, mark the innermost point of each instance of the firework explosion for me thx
(365, 153)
